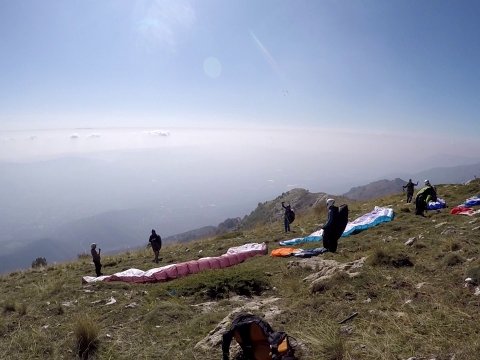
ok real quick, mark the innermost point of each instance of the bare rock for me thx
(325, 269)
(420, 285)
(410, 241)
(449, 230)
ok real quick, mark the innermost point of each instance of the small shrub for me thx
(59, 309)
(453, 259)
(86, 337)
(380, 257)
(39, 262)
(22, 309)
(474, 273)
(452, 246)
(320, 286)
(8, 306)
(401, 260)
(455, 246)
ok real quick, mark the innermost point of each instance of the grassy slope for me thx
(396, 320)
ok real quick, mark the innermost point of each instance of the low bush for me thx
(39, 262)
(86, 337)
(453, 259)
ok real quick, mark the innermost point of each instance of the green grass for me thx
(422, 310)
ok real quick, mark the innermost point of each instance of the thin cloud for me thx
(266, 54)
(159, 133)
(160, 21)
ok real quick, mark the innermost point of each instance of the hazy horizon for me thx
(179, 113)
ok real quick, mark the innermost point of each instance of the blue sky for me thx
(392, 66)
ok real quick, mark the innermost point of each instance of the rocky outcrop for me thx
(325, 269)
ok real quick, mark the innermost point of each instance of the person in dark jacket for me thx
(410, 189)
(156, 242)
(424, 195)
(96, 259)
(286, 216)
(330, 235)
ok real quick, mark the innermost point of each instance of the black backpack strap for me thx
(247, 346)
(240, 323)
(226, 341)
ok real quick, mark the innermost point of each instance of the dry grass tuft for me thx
(21, 308)
(86, 337)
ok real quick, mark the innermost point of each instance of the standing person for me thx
(410, 188)
(156, 242)
(424, 195)
(287, 216)
(96, 259)
(330, 240)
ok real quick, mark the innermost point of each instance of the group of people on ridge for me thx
(336, 222)
(424, 196)
(155, 241)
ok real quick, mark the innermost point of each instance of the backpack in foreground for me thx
(257, 340)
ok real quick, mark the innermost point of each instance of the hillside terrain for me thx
(410, 300)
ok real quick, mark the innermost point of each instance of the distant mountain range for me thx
(448, 175)
(440, 175)
(375, 189)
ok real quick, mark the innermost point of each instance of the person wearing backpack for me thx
(156, 242)
(424, 195)
(96, 259)
(288, 216)
(335, 225)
